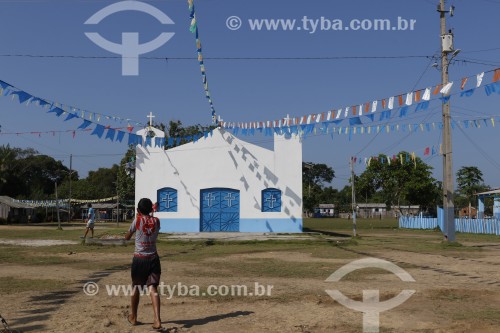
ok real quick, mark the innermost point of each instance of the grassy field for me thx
(450, 277)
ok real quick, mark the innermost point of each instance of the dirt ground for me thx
(458, 291)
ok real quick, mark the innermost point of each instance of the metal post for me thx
(57, 209)
(117, 206)
(70, 174)
(353, 193)
(448, 206)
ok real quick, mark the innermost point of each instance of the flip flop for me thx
(131, 323)
(158, 329)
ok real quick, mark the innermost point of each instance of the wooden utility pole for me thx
(353, 194)
(448, 188)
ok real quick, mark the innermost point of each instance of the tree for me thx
(317, 174)
(126, 183)
(175, 130)
(469, 182)
(399, 181)
(26, 174)
(314, 177)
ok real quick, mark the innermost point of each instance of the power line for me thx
(486, 156)
(165, 58)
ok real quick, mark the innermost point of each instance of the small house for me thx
(15, 211)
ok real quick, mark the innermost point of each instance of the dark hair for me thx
(145, 206)
(89, 205)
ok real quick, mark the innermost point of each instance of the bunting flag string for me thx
(322, 123)
(59, 109)
(396, 158)
(194, 29)
(61, 202)
(40, 133)
(357, 114)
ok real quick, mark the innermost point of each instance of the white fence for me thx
(474, 226)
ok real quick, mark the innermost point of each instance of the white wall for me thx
(221, 160)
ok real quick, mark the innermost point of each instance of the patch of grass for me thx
(447, 245)
(263, 267)
(13, 285)
(449, 295)
(461, 237)
(198, 250)
(490, 315)
(345, 226)
(34, 231)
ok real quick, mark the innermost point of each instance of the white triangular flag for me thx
(346, 113)
(374, 106)
(409, 98)
(391, 103)
(479, 79)
(360, 110)
(328, 115)
(339, 113)
(446, 89)
(427, 94)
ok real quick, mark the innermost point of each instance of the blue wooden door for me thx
(220, 210)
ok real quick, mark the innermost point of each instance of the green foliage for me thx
(469, 181)
(314, 176)
(126, 181)
(26, 174)
(397, 184)
(174, 129)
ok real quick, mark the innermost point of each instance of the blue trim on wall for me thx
(246, 225)
(271, 225)
(179, 225)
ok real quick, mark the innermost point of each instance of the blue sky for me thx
(245, 90)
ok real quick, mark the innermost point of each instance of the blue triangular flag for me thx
(445, 99)
(120, 136)
(86, 123)
(98, 130)
(467, 93)
(354, 121)
(132, 139)
(70, 116)
(111, 134)
(22, 95)
(403, 111)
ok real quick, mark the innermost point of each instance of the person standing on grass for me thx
(90, 221)
(146, 267)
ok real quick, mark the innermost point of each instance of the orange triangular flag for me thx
(464, 81)
(496, 76)
(354, 110)
(367, 107)
(437, 90)
(383, 103)
(417, 96)
(400, 97)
